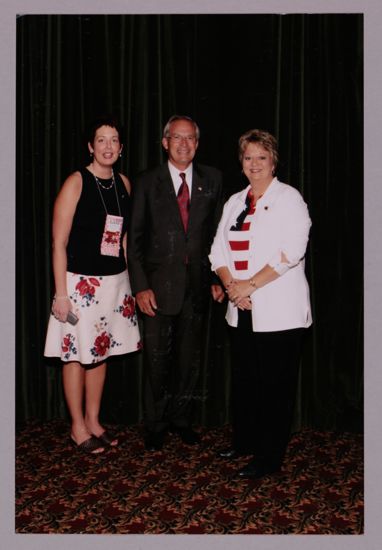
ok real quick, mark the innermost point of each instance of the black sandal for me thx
(107, 438)
(90, 445)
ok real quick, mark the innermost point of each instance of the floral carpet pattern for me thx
(184, 489)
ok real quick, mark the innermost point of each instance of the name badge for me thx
(111, 237)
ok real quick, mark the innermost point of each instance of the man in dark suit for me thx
(175, 211)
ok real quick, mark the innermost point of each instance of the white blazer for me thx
(281, 224)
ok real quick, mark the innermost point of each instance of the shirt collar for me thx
(175, 174)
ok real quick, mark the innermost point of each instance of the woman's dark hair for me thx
(104, 120)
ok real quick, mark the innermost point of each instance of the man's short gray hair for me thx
(174, 118)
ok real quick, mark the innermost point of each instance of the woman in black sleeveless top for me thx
(93, 312)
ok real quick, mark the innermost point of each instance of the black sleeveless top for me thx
(84, 246)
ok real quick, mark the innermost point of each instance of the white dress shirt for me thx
(281, 224)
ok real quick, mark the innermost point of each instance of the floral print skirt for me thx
(107, 322)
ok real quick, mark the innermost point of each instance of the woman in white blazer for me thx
(258, 253)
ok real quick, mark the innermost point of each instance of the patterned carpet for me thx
(184, 489)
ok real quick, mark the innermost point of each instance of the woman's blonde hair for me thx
(265, 139)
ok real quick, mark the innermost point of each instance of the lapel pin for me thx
(199, 188)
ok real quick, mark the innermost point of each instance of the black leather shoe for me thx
(253, 470)
(186, 434)
(154, 441)
(228, 453)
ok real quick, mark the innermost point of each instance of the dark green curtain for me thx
(297, 76)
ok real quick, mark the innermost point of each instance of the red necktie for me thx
(184, 200)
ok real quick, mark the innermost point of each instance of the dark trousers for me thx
(264, 380)
(172, 345)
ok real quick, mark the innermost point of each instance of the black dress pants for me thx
(264, 380)
(172, 345)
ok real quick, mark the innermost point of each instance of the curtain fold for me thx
(297, 76)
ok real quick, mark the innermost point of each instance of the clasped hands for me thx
(239, 292)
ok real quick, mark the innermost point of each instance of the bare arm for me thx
(64, 209)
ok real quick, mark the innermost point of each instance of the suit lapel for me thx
(197, 195)
(166, 195)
